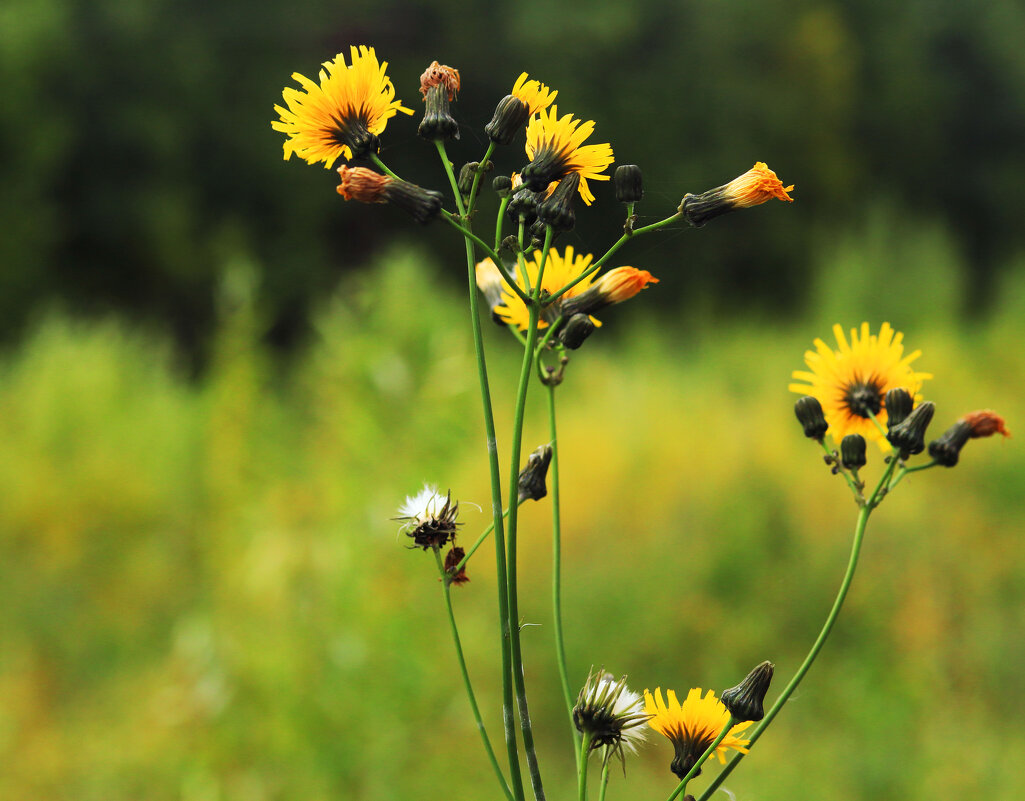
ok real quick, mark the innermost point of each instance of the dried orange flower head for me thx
(623, 283)
(359, 183)
(985, 423)
(440, 75)
(756, 186)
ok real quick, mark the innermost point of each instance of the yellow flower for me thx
(555, 149)
(693, 726)
(853, 381)
(534, 94)
(342, 116)
(559, 271)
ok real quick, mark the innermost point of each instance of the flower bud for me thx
(557, 209)
(898, 404)
(466, 176)
(438, 85)
(852, 452)
(947, 449)
(908, 436)
(810, 415)
(510, 116)
(744, 701)
(367, 186)
(628, 183)
(523, 205)
(452, 560)
(615, 286)
(754, 187)
(502, 185)
(531, 482)
(575, 330)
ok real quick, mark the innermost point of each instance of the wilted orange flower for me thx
(623, 283)
(440, 74)
(359, 183)
(985, 423)
(756, 186)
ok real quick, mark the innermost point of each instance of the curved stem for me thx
(616, 246)
(827, 627)
(384, 167)
(560, 646)
(483, 163)
(498, 515)
(447, 587)
(480, 541)
(517, 437)
(498, 222)
(905, 470)
(696, 767)
(509, 280)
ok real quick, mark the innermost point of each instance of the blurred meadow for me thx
(218, 382)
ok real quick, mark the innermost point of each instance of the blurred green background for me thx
(218, 382)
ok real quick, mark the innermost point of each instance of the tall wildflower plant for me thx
(549, 300)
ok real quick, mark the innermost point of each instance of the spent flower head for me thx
(610, 715)
(429, 518)
(343, 114)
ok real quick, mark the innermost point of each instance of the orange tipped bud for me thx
(985, 423)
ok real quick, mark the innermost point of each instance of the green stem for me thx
(827, 627)
(616, 246)
(517, 437)
(384, 167)
(498, 515)
(582, 753)
(560, 646)
(447, 587)
(476, 178)
(604, 782)
(696, 767)
(852, 483)
(905, 470)
(479, 542)
(882, 430)
(498, 222)
(506, 276)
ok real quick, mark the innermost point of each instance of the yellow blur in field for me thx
(204, 598)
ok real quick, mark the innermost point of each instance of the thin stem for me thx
(482, 164)
(604, 782)
(440, 145)
(905, 470)
(447, 588)
(582, 752)
(480, 541)
(499, 220)
(506, 276)
(878, 425)
(384, 167)
(827, 627)
(696, 767)
(616, 246)
(852, 483)
(517, 437)
(498, 515)
(560, 646)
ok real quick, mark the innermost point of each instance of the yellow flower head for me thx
(693, 726)
(852, 381)
(555, 149)
(559, 271)
(342, 116)
(534, 94)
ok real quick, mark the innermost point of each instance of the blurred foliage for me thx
(138, 154)
(202, 596)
